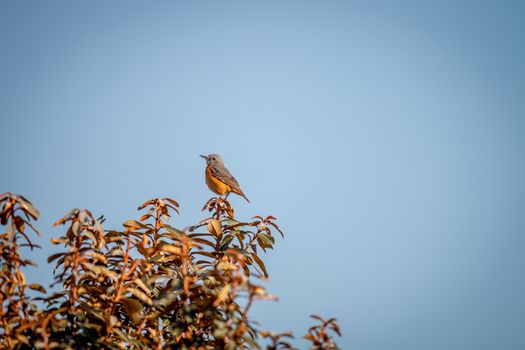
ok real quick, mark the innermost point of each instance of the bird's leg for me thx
(227, 194)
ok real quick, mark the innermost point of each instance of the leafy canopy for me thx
(147, 286)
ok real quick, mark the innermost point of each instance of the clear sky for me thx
(388, 138)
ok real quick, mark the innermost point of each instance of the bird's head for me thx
(213, 159)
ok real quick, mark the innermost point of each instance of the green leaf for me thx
(226, 242)
(265, 240)
(268, 237)
(231, 222)
(172, 229)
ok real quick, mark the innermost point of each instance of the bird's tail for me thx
(244, 196)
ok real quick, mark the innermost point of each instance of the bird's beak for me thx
(204, 157)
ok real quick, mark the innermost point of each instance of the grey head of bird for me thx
(214, 159)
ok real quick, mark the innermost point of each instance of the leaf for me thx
(260, 263)
(133, 308)
(54, 257)
(19, 223)
(317, 317)
(99, 257)
(23, 339)
(231, 222)
(58, 241)
(33, 228)
(226, 242)
(203, 241)
(113, 320)
(277, 228)
(29, 209)
(97, 269)
(166, 296)
(144, 217)
(268, 237)
(90, 235)
(75, 227)
(37, 287)
(335, 328)
(172, 229)
(145, 204)
(30, 245)
(309, 337)
(214, 227)
(208, 254)
(133, 224)
(171, 201)
(265, 240)
(227, 266)
(220, 329)
(142, 285)
(169, 248)
(223, 294)
(65, 218)
(236, 251)
(3, 217)
(140, 295)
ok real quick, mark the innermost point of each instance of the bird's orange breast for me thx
(215, 184)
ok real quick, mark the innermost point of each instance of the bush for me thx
(149, 286)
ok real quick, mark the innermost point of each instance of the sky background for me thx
(387, 137)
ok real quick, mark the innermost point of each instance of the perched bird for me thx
(219, 179)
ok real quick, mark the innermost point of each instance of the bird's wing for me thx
(223, 175)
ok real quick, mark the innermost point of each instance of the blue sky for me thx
(387, 137)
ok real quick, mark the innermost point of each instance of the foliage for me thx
(148, 286)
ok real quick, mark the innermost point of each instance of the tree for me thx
(148, 286)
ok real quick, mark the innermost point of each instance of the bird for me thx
(219, 179)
